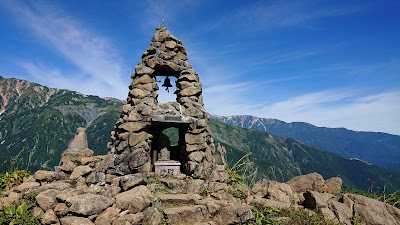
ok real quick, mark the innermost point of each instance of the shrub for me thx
(18, 214)
(237, 192)
(12, 178)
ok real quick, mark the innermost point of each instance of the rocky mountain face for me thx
(38, 123)
(379, 148)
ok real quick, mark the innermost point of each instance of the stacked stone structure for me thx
(137, 138)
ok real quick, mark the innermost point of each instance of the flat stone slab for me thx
(178, 199)
(173, 119)
(186, 214)
(171, 167)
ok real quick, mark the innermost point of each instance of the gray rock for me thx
(80, 171)
(129, 219)
(274, 190)
(234, 214)
(43, 175)
(153, 216)
(74, 220)
(186, 214)
(90, 204)
(332, 185)
(108, 216)
(135, 200)
(47, 199)
(373, 212)
(26, 186)
(49, 217)
(132, 180)
(309, 182)
(61, 209)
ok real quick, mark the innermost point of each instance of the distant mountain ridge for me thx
(38, 122)
(379, 148)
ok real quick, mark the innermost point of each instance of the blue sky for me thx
(329, 63)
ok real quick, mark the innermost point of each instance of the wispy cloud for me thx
(284, 57)
(93, 55)
(55, 78)
(263, 15)
(223, 99)
(388, 67)
(341, 108)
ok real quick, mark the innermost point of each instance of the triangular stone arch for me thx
(137, 137)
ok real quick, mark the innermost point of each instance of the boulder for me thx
(80, 171)
(26, 186)
(196, 186)
(132, 180)
(130, 219)
(186, 214)
(309, 182)
(47, 199)
(43, 175)
(342, 212)
(263, 203)
(49, 217)
(108, 216)
(74, 220)
(57, 185)
(75, 156)
(373, 212)
(134, 200)
(153, 216)
(274, 190)
(138, 158)
(90, 204)
(332, 185)
(61, 209)
(177, 199)
(234, 214)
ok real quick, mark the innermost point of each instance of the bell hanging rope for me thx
(167, 83)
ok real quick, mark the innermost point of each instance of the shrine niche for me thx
(138, 142)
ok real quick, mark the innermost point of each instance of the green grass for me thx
(391, 199)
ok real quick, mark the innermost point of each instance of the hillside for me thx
(282, 158)
(379, 148)
(37, 123)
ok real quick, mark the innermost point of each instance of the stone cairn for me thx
(139, 128)
(77, 149)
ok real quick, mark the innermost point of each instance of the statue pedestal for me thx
(171, 167)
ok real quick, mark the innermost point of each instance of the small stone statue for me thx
(164, 154)
(80, 140)
(77, 149)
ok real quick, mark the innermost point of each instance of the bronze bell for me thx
(167, 83)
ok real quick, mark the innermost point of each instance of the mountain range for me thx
(37, 123)
(379, 148)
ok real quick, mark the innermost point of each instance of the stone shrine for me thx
(138, 141)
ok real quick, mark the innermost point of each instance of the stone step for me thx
(173, 200)
(190, 214)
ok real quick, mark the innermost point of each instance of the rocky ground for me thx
(78, 192)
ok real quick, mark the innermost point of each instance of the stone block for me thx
(170, 167)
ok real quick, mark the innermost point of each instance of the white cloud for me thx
(341, 108)
(228, 98)
(93, 55)
(262, 15)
